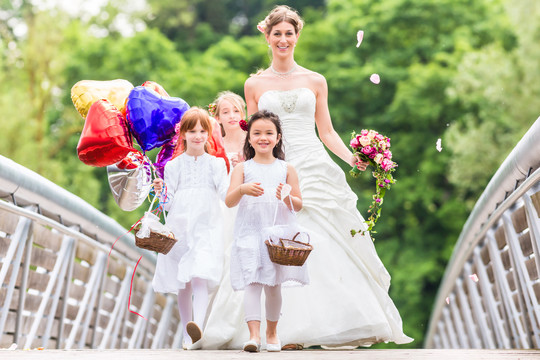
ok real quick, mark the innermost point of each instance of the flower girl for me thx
(229, 109)
(195, 184)
(256, 185)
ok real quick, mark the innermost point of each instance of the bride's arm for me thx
(249, 93)
(328, 135)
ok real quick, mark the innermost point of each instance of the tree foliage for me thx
(462, 71)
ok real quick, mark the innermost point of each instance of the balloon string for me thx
(118, 238)
(130, 290)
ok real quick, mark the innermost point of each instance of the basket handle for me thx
(152, 205)
(277, 207)
(308, 238)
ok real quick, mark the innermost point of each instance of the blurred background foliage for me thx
(464, 71)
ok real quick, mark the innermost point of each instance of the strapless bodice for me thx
(296, 110)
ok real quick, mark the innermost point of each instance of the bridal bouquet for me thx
(374, 148)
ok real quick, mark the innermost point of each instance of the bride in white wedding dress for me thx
(347, 301)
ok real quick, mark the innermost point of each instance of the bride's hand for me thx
(359, 163)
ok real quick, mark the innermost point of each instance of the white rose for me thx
(378, 158)
(364, 140)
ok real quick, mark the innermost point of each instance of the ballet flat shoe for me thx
(195, 346)
(193, 331)
(273, 347)
(252, 346)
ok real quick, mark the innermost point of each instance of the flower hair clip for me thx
(261, 26)
(243, 124)
(212, 109)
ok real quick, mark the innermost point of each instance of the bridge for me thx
(61, 290)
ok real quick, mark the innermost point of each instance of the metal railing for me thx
(60, 288)
(490, 294)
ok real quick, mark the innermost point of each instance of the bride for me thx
(347, 301)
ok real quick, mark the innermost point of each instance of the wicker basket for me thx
(289, 252)
(155, 242)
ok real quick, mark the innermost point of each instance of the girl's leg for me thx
(200, 300)
(252, 309)
(273, 312)
(185, 307)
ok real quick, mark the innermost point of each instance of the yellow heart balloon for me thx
(86, 92)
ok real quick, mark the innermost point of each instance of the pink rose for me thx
(367, 150)
(387, 164)
(364, 132)
(355, 143)
(387, 154)
(379, 137)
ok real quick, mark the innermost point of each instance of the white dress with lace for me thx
(347, 301)
(195, 187)
(250, 262)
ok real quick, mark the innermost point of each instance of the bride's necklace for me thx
(283, 74)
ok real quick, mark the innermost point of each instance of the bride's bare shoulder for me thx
(313, 76)
(256, 78)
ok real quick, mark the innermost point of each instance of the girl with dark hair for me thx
(256, 186)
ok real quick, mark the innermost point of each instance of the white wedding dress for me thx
(347, 301)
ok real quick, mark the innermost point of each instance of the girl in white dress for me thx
(228, 109)
(256, 186)
(195, 182)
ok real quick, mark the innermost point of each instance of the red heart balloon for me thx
(105, 138)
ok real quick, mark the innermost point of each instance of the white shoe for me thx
(195, 346)
(273, 347)
(252, 346)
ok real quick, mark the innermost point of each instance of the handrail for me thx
(25, 187)
(518, 174)
(58, 269)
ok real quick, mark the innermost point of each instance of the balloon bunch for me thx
(115, 112)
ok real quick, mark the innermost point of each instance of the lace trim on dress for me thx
(288, 100)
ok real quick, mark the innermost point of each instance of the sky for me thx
(84, 9)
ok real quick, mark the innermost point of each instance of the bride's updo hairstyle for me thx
(282, 13)
(278, 152)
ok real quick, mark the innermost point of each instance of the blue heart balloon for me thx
(152, 118)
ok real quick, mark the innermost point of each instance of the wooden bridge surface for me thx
(367, 354)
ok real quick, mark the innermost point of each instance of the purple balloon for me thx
(152, 117)
(165, 154)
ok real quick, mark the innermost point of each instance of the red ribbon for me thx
(131, 288)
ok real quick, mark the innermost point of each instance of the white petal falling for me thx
(359, 37)
(375, 78)
(438, 146)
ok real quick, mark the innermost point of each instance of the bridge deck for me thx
(367, 354)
